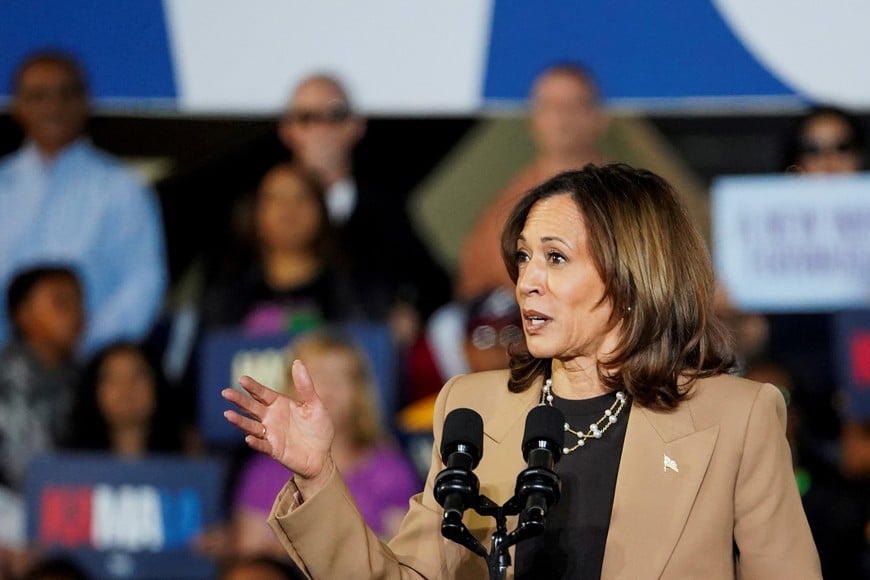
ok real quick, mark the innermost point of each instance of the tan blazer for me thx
(730, 509)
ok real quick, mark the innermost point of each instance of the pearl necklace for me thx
(595, 429)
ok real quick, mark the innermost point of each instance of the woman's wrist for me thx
(309, 486)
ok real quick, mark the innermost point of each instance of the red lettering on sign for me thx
(65, 516)
(859, 357)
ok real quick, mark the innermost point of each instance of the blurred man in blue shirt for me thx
(62, 200)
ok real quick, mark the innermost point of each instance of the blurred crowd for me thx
(92, 357)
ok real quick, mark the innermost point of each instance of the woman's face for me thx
(559, 290)
(288, 216)
(827, 146)
(126, 393)
(333, 372)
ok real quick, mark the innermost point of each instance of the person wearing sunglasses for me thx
(322, 130)
(826, 140)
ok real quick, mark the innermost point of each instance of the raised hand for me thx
(297, 433)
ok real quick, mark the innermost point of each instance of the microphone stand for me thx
(499, 559)
(531, 523)
(537, 488)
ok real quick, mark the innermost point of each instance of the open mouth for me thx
(535, 320)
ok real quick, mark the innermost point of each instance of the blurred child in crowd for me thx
(122, 405)
(380, 477)
(37, 367)
(37, 376)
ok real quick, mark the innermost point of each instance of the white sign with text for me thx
(793, 242)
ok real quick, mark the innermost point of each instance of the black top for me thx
(327, 297)
(573, 544)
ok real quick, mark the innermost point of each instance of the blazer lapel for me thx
(502, 458)
(511, 409)
(661, 469)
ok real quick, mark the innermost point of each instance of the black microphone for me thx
(538, 486)
(456, 487)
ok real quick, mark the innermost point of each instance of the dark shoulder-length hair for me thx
(657, 277)
(88, 427)
(247, 247)
(323, 244)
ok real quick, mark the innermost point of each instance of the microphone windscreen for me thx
(544, 423)
(462, 426)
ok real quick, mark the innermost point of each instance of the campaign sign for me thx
(228, 354)
(852, 355)
(793, 243)
(125, 518)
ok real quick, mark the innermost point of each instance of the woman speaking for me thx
(671, 467)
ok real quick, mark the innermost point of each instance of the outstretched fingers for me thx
(305, 390)
(254, 428)
(258, 392)
(246, 424)
(245, 403)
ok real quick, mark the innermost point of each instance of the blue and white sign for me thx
(793, 243)
(450, 57)
(228, 354)
(122, 518)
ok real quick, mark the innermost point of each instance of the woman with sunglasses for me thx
(826, 140)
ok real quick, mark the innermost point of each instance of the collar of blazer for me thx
(652, 502)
